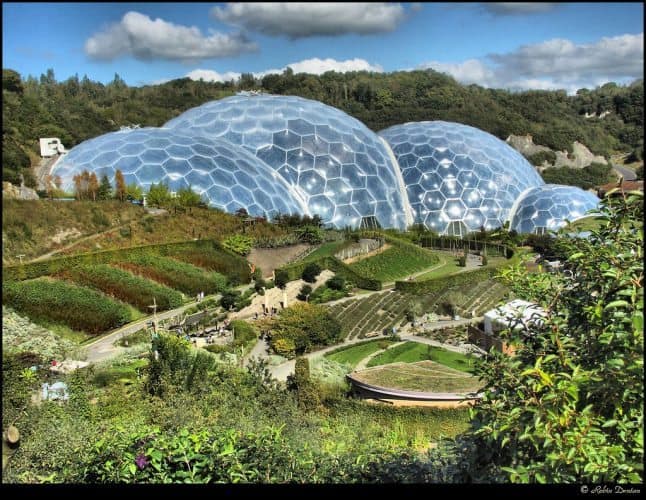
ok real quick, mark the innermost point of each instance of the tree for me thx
(186, 197)
(121, 190)
(311, 271)
(158, 195)
(93, 186)
(282, 278)
(305, 291)
(133, 192)
(105, 189)
(49, 186)
(302, 327)
(335, 283)
(568, 406)
(58, 182)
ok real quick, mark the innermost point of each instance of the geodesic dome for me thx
(547, 207)
(227, 176)
(342, 170)
(458, 177)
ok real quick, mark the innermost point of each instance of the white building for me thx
(50, 146)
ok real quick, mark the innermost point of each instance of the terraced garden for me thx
(412, 352)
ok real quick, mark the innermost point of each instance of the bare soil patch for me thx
(268, 259)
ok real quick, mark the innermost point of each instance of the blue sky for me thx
(499, 45)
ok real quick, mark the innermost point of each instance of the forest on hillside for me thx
(76, 109)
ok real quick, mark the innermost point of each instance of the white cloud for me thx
(299, 20)
(209, 75)
(467, 72)
(517, 8)
(314, 66)
(144, 38)
(554, 64)
(318, 66)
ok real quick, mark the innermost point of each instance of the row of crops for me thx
(379, 312)
(94, 298)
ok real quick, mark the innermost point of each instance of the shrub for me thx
(78, 307)
(243, 332)
(306, 290)
(229, 298)
(281, 278)
(303, 326)
(238, 243)
(311, 271)
(335, 283)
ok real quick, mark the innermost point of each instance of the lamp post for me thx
(154, 308)
(20, 257)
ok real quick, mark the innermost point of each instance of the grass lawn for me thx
(353, 354)
(424, 376)
(411, 352)
(453, 359)
(408, 352)
(326, 250)
(448, 265)
(396, 262)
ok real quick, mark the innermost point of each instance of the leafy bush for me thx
(238, 243)
(302, 327)
(124, 286)
(78, 307)
(311, 271)
(281, 279)
(305, 291)
(335, 283)
(539, 158)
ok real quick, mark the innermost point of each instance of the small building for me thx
(517, 314)
(51, 146)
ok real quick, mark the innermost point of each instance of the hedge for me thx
(175, 274)
(125, 286)
(231, 265)
(78, 307)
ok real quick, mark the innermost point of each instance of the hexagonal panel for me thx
(475, 170)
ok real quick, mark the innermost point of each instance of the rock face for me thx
(524, 144)
(10, 191)
(579, 158)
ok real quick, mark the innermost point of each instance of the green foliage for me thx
(400, 260)
(78, 307)
(281, 279)
(158, 195)
(568, 406)
(105, 189)
(186, 197)
(354, 353)
(595, 174)
(244, 332)
(134, 192)
(311, 271)
(310, 234)
(335, 283)
(238, 243)
(124, 286)
(305, 291)
(295, 271)
(325, 294)
(541, 157)
(303, 327)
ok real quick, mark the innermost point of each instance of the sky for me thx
(515, 46)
